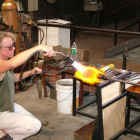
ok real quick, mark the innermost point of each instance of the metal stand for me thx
(124, 97)
(77, 111)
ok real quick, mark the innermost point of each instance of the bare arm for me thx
(27, 73)
(20, 58)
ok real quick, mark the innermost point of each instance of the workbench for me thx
(113, 104)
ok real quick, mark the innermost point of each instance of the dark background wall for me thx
(75, 8)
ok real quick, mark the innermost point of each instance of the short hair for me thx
(6, 34)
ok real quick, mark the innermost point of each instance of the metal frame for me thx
(100, 107)
(128, 125)
(77, 111)
(73, 27)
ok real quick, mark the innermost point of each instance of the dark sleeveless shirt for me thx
(7, 91)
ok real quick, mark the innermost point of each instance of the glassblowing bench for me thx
(113, 104)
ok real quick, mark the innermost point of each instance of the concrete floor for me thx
(55, 125)
(58, 126)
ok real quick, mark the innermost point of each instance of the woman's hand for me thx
(36, 69)
(27, 73)
(47, 50)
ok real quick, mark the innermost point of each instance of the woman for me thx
(15, 121)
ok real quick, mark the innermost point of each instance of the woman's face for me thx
(7, 49)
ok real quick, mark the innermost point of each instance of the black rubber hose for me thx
(22, 70)
(31, 80)
(49, 85)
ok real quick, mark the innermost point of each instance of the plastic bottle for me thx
(74, 51)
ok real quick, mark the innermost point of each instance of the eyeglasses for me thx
(11, 46)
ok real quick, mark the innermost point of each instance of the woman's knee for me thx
(36, 126)
(32, 127)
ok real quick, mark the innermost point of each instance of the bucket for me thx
(64, 90)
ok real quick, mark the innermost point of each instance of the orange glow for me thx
(89, 74)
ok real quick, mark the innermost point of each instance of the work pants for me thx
(19, 124)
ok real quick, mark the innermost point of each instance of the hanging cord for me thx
(22, 70)
(24, 47)
(33, 23)
(24, 88)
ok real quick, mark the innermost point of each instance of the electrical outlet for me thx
(32, 5)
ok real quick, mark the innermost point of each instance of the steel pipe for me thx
(118, 80)
(91, 29)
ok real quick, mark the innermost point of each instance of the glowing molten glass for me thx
(89, 74)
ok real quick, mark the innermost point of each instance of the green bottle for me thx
(74, 51)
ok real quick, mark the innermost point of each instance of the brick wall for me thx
(25, 28)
